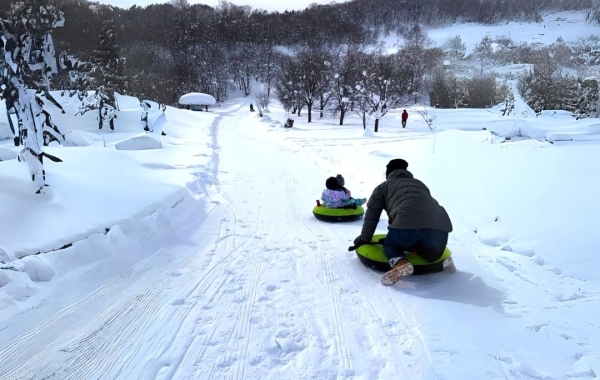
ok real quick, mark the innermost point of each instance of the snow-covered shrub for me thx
(588, 105)
(262, 100)
(586, 51)
(482, 91)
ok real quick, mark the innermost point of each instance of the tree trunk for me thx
(376, 125)
(342, 114)
(322, 106)
(364, 117)
(309, 112)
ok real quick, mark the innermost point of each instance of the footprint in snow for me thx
(288, 345)
(506, 263)
(537, 328)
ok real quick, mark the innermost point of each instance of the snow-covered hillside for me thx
(570, 26)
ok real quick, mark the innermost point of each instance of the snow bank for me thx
(82, 138)
(141, 142)
(129, 103)
(8, 154)
(368, 132)
(108, 182)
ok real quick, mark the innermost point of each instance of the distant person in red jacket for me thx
(404, 118)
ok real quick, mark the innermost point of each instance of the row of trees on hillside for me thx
(161, 41)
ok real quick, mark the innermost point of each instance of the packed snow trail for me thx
(291, 302)
(256, 289)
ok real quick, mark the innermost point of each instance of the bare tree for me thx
(261, 97)
(313, 73)
(455, 49)
(383, 85)
(286, 85)
(346, 69)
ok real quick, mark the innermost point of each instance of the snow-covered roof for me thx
(197, 99)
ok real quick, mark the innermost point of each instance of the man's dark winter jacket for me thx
(408, 204)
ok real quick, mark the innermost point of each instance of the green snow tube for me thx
(372, 256)
(338, 214)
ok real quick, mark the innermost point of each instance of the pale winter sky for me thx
(268, 5)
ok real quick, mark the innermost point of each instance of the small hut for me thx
(196, 100)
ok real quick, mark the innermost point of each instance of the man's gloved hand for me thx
(359, 241)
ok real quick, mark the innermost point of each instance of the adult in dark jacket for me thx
(404, 118)
(416, 220)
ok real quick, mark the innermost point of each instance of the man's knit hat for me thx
(395, 164)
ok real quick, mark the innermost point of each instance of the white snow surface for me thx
(197, 98)
(202, 259)
(214, 266)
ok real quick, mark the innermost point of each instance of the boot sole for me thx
(448, 263)
(394, 275)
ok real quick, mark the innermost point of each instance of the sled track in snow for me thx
(93, 337)
(212, 297)
(220, 348)
(372, 310)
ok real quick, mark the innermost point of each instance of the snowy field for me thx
(202, 260)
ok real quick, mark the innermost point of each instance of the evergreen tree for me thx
(484, 51)
(481, 91)
(110, 72)
(108, 76)
(589, 101)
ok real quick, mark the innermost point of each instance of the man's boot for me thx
(400, 269)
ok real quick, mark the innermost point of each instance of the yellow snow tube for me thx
(372, 256)
(338, 214)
